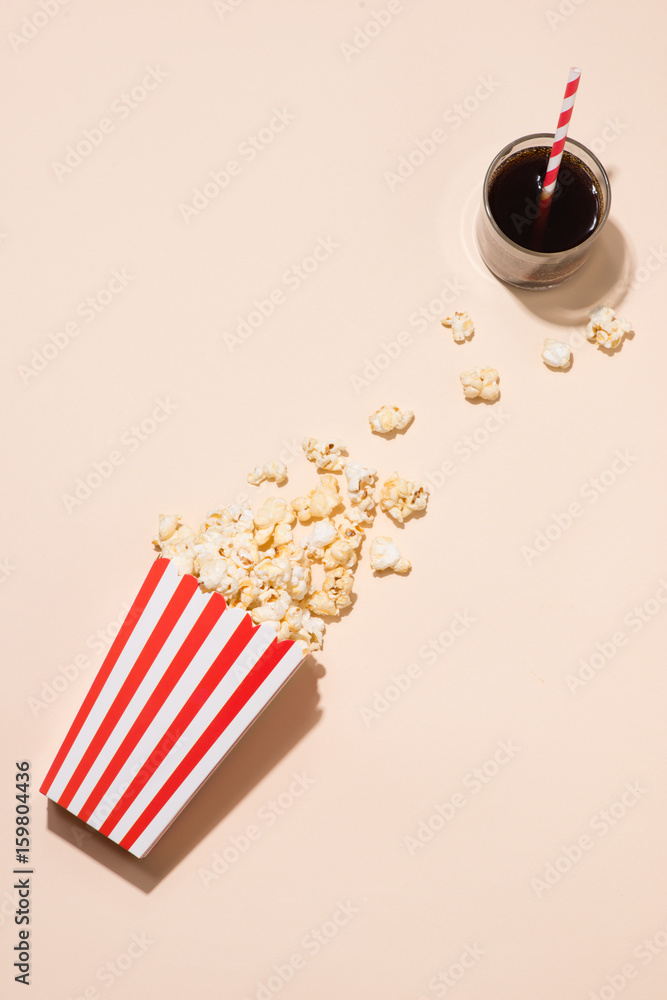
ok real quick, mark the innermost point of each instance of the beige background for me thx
(399, 247)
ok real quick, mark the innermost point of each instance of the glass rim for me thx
(540, 254)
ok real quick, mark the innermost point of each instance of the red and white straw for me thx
(549, 182)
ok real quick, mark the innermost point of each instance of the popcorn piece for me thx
(167, 525)
(385, 555)
(482, 383)
(358, 477)
(338, 585)
(390, 418)
(248, 592)
(360, 484)
(304, 628)
(242, 550)
(320, 502)
(341, 550)
(300, 581)
(335, 593)
(363, 512)
(273, 471)
(400, 498)
(461, 326)
(274, 572)
(340, 553)
(282, 533)
(272, 512)
(313, 629)
(323, 534)
(257, 476)
(179, 543)
(556, 354)
(272, 609)
(605, 328)
(219, 574)
(227, 527)
(326, 455)
(351, 532)
(292, 623)
(183, 560)
(294, 552)
(322, 604)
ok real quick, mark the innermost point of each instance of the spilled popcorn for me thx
(481, 383)
(360, 486)
(385, 555)
(326, 455)
(320, 502)
(556, 354)
(401, 499)
(605, 328)
(292, 584)
(390, 418)
(273, 471)
(461, 326)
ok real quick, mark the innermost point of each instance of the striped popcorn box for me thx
(183, 680)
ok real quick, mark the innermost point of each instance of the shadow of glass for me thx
(603, 279)
(285, 720)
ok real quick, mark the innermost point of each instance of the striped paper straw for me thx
(184, 679)
(549, 182)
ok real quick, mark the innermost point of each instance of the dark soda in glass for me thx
(521, 243)
(514, 199)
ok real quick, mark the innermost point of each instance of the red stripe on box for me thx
(181, 597)
(181, 661)
(118, 645)
(229, 710)
(230, 652)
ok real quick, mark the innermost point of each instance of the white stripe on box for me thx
(141, 633)
(210, 649)
(257, 645)
(178, 635)
(258, 701)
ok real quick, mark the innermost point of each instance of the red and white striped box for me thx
(184, 679)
